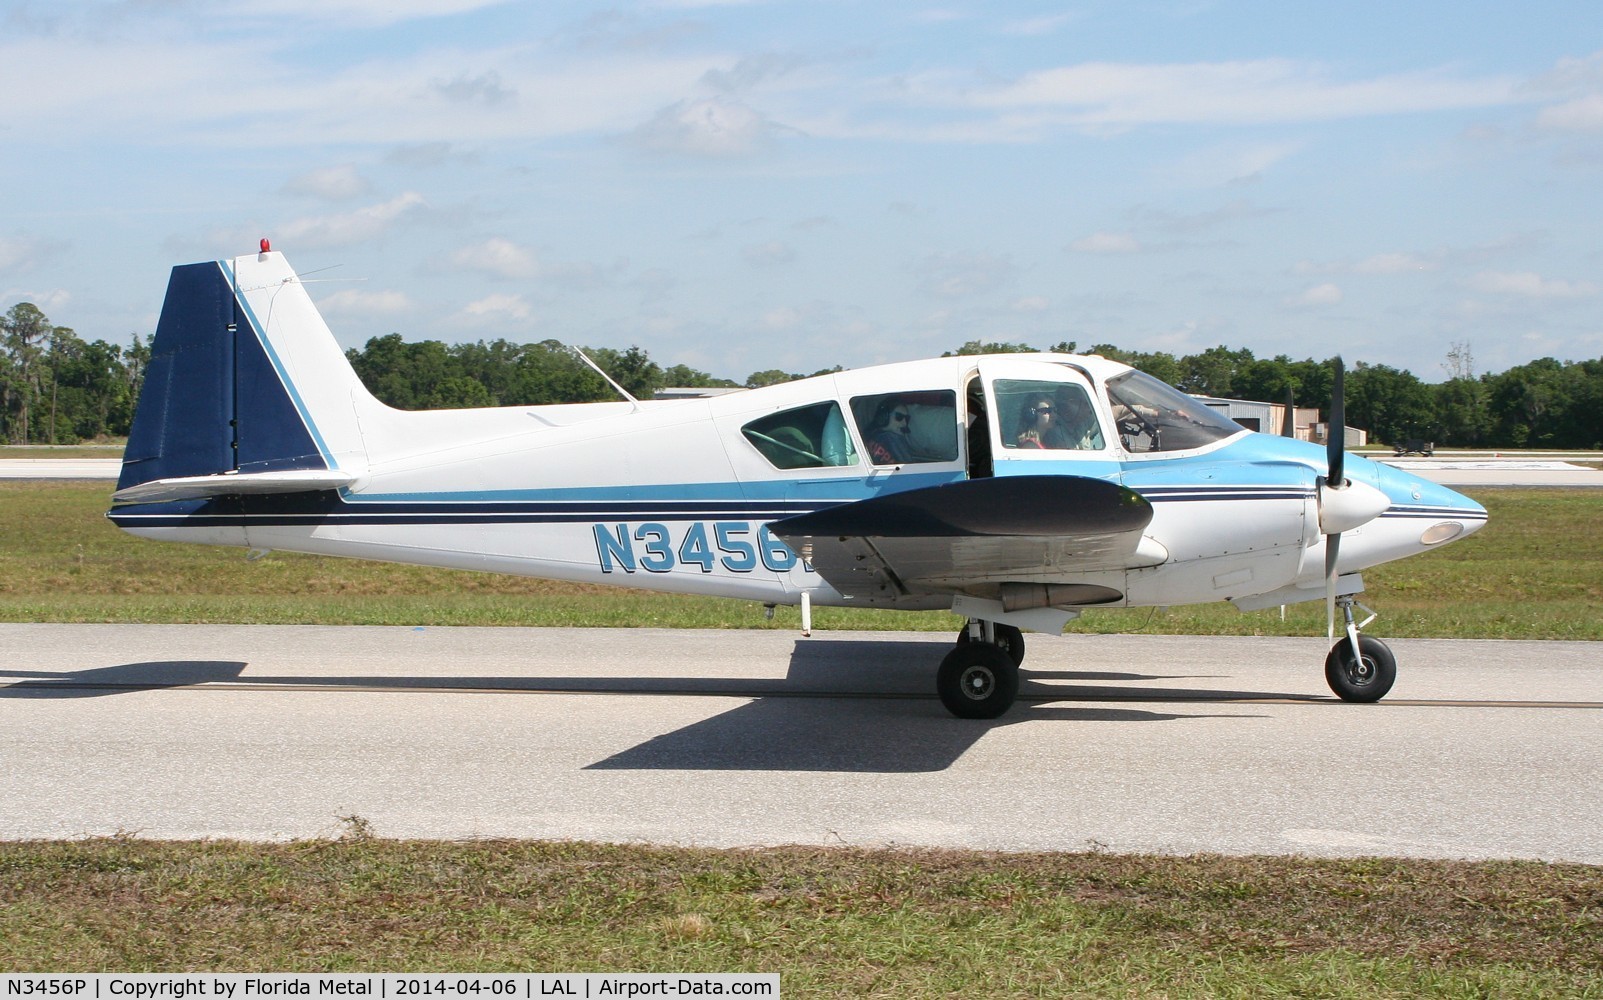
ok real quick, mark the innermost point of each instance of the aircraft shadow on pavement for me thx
(843, 706)
(867, 735)
(887, 722)
(97, 682)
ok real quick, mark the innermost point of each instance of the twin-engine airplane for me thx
(1016, 490)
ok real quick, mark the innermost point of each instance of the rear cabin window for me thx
(908, 428)
(808, 437)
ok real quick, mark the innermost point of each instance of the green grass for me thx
(1535, 572)
(62, 451)
(831, 922)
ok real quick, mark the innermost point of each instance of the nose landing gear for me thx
(1366, 676)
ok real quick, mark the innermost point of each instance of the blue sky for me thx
(741, 186)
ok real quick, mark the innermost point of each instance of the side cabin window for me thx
(906, 428)
(808, 437)
(1047, 415)
(1154, 416)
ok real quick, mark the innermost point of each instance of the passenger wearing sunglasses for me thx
(1040, 426)
(890, 441)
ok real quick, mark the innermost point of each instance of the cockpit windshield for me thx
(1154, 416)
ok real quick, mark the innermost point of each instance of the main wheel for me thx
(1008, 638)
(1367, 679)
(977, 681)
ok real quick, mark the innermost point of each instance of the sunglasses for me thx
(1043, 411)
(899, 416)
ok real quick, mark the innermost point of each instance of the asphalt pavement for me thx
(1168, 744)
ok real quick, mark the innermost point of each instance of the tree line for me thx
(55, 388)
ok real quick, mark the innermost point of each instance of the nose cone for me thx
(1443, 514)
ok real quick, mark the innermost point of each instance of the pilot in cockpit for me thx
(890, 434)
(1059, 420)
(1039, 426)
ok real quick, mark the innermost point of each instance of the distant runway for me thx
(1131, 743)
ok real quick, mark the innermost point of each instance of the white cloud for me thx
(188, 88)
(1583, 114)
(1380, 263)
(353, 301)
(14, 252)
(499, 257)
(1194, 223)
(768, 254)
(1035, 26)
(1229, 163)
(1327, 294)
(1106, 243)
(330, 183)
(484, 89)
(348, 228)
(1032, 304)
(499, 308)
(47, 301)
(1241, 92)
(1529, 284)
(782, 318)
(709, 127)
(1395, 263)
(360, 13)
(960, 275)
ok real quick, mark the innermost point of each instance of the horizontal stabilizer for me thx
(234, 484)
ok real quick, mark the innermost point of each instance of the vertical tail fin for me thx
(244, 378)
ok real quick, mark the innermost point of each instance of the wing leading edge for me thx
(975, 535)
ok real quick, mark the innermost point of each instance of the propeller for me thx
(1288, 421)
(1343, 505)
(1336, 440)
(1335, 467)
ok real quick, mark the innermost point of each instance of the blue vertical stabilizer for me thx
(213, 401)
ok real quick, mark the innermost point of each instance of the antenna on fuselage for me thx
(610, 380)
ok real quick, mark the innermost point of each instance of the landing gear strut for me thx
(1370, 674)
(979, 678)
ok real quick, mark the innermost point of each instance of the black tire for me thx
(1367, 680)
(977, 681)
(1008, 638)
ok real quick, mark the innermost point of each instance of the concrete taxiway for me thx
(1485, 749)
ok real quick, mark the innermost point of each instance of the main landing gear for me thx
(1366, 676)
(979, 678)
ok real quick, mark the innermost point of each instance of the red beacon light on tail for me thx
(267, 245)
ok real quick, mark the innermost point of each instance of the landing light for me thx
(1436, 534)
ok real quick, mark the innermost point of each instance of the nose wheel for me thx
(1365, 677)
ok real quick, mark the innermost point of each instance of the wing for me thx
(976, 534)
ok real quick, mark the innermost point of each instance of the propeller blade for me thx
(1288, 423)
(1336, 446)
(1332, 551)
